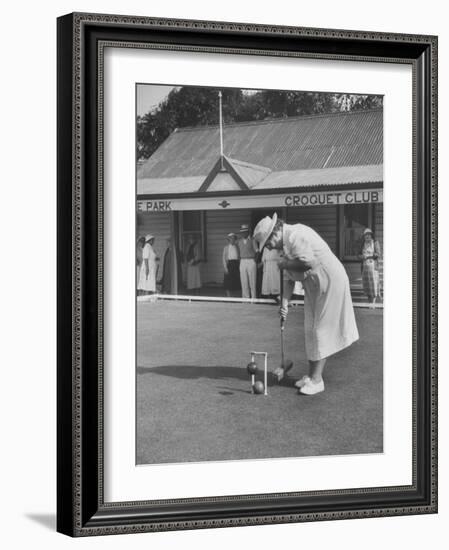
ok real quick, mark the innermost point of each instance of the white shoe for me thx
(302, 382)
(311, 388)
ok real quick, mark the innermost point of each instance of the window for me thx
(356, 218)
(192, 223)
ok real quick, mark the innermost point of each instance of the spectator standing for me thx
(193, 259)
(147, 278)
(370, 254)
(248, 267)
(231, 263)
(271, 272)
(139, 249)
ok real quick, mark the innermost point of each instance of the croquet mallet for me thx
(286, 364)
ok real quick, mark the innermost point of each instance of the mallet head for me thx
(281, 371)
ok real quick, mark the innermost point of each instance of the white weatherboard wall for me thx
(221, 222)
(353, 268)
(324, 220)
(218, 224)
(321, 218)
(158, 224)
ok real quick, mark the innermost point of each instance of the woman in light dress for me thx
(329, 321)
(139, 249)
(193, 259)
(271, 273)
(370, 254)
(147, 279)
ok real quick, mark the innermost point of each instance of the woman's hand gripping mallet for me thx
(286, 364)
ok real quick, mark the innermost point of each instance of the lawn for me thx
(194, 399)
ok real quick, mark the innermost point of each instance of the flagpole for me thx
(221, 129)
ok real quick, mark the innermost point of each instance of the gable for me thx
(223, 181)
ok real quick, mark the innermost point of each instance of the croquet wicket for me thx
(265, 372)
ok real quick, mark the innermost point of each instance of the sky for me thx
(149, 96)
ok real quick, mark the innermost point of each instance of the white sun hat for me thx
(149, 237)
(264, 229)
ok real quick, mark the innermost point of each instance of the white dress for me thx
(148, 283)
(329, 320)
(271, 273)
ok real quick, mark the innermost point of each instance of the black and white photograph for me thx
(259, 274)
(225, 330)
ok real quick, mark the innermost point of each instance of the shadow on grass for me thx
(194, 372)
(230, 391)
(190, 372)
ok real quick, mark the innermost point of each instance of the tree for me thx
(183, 107)
(356, 102)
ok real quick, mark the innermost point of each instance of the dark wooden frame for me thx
(81, 509)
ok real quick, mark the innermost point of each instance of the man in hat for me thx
(329, 321)
(231, 262)
(248, 267)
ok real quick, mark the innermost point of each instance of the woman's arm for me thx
(289, 286)
(225, 259)
(377, 252)
(197, 259)
(294, 265)
(147, 267)
(363, 254)
(255, 245)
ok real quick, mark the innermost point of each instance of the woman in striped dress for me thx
(370, 254)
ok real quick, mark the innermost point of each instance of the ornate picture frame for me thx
(81, 506)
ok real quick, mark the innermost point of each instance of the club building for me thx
(325, 171)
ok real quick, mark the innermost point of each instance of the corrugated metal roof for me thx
(317, 177)
(296, 143)
(285, 179)
(149, 186)
(333, 149)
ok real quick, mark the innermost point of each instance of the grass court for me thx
(194, 400)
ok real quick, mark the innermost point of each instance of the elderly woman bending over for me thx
(329, 321)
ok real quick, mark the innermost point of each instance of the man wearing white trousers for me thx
(248, 268)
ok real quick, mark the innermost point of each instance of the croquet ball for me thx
(259, 387)
(251, 368)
